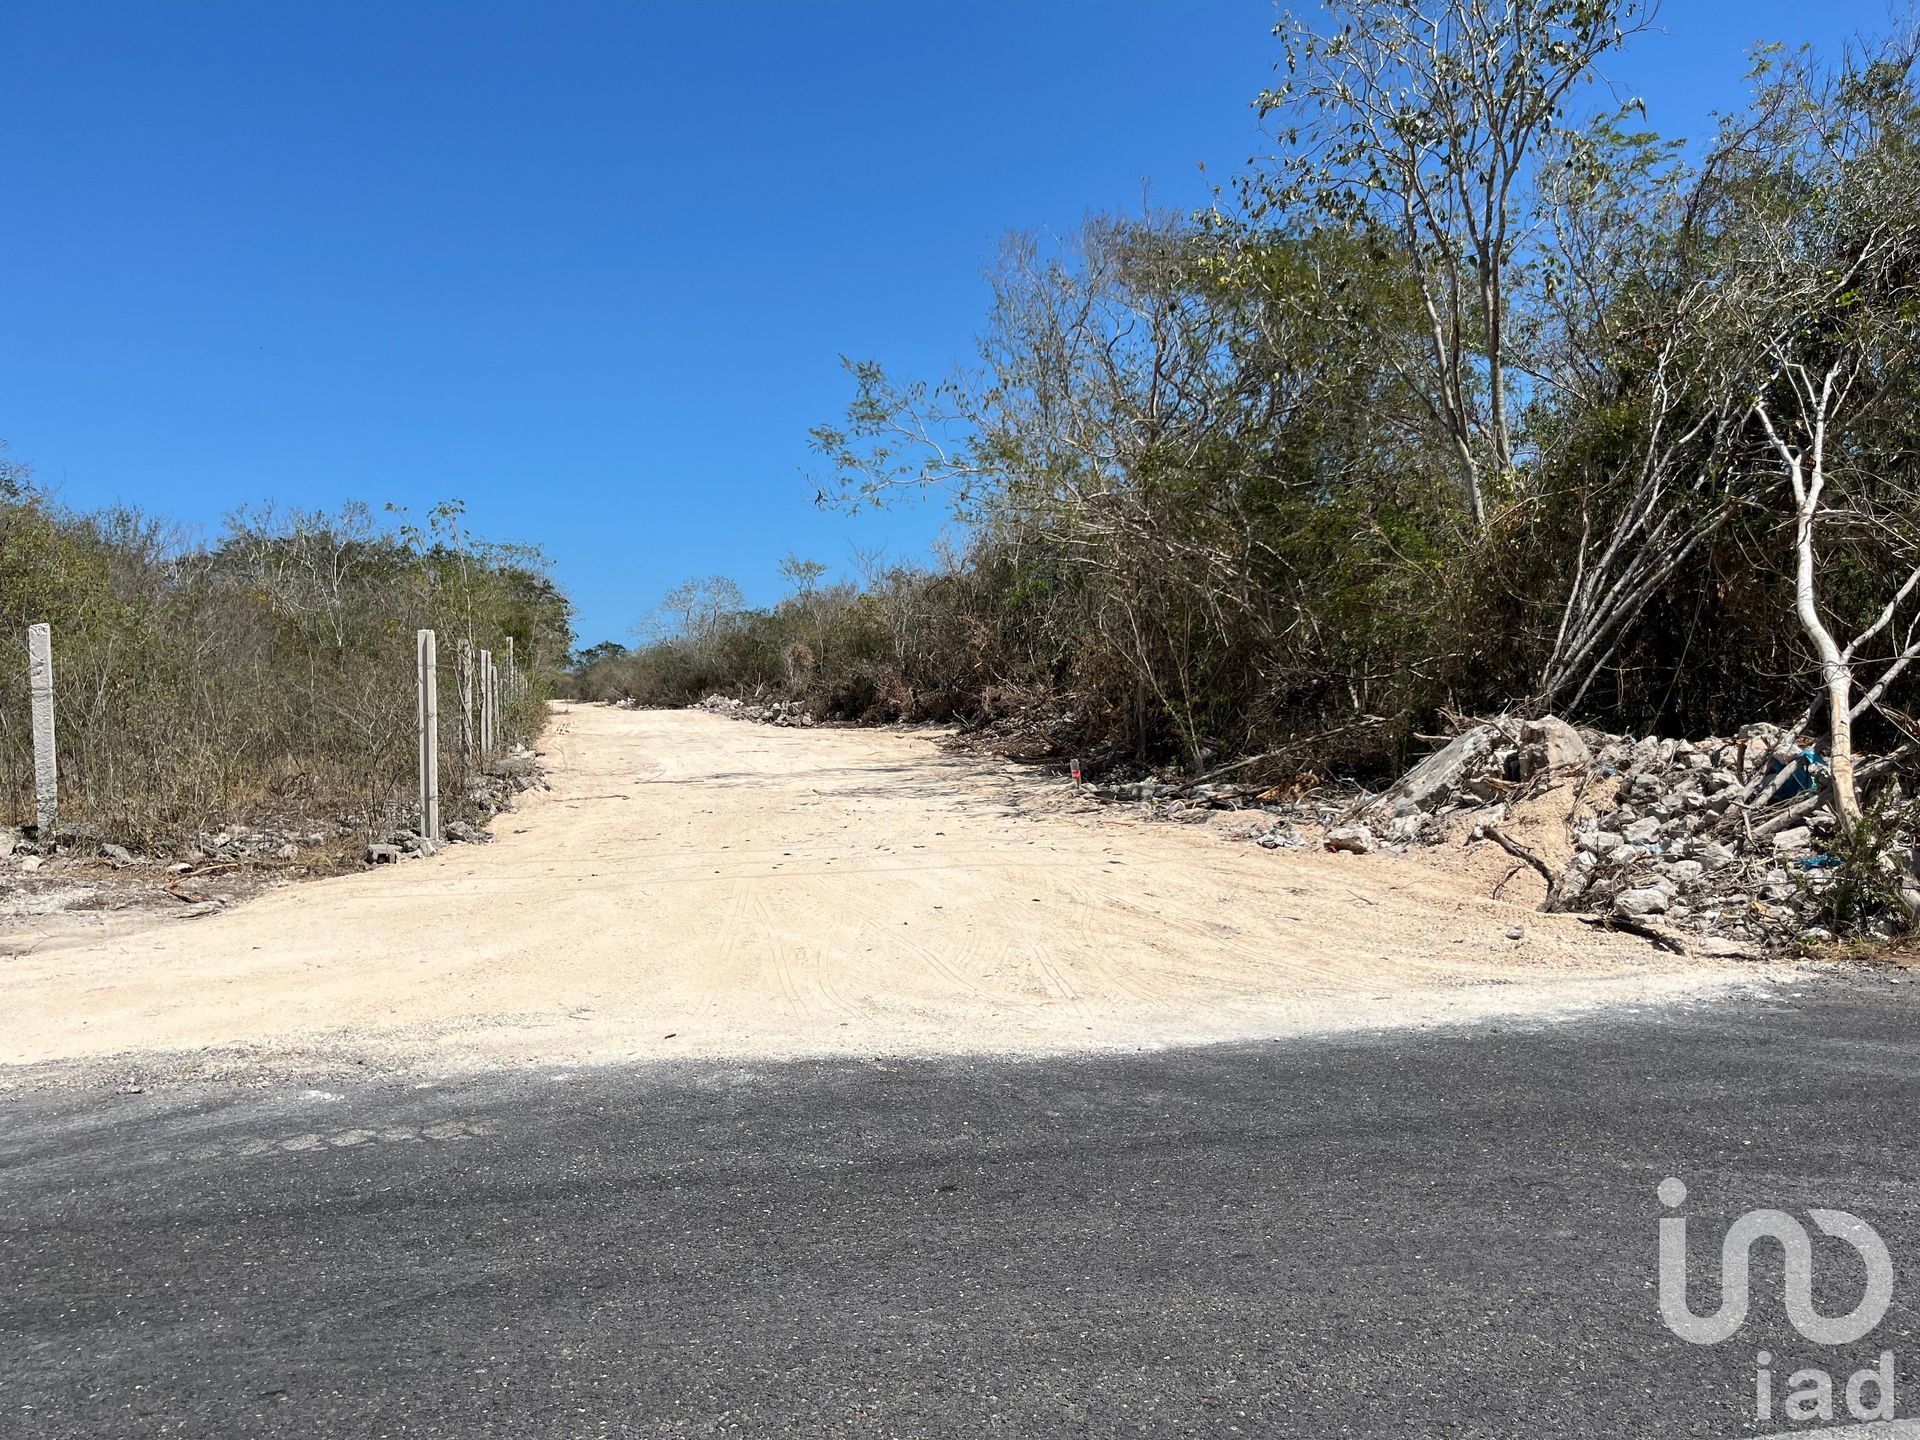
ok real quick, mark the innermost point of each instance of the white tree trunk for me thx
(1836, 671)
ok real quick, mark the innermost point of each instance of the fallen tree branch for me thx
(1365, 722)
(1519, 852)
(1807, 804)
(1663, 939)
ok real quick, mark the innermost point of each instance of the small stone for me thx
(1643, 832)
(1516, 932)
(117, 854)
(1685, 872)
(1646, 901)
(1712, 855)
(1404, 829)
(1351, 839)
(1788, 841)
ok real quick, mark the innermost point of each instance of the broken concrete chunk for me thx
(1643, 832)
(1647, 901)
(1436, 779)
(1352, 839)
(1686, 872)
(1711, 854)
(1788, 841)
(1404, 829)
(1564, 745)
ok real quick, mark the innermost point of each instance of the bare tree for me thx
(1644, 522)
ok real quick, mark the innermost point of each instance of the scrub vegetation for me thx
(1477, 396)
(267, 673)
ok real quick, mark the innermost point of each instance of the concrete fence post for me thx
(427, 669)
(486, 703)
(493, 703)
(463, 677)
(46, 770)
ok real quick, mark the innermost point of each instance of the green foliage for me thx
(1868, 875)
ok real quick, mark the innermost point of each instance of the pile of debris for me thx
(1717, 845)
(1720, 838)
(488, 794)
(291, 838)
(788, 713)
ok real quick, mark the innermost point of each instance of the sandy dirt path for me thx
(696, 886)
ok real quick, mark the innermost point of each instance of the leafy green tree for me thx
(1425, 124)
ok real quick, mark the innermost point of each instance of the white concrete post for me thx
(427, 657)
(493, 704)
(511, 672)
(46, 779)
(463, 676)
(486, 703)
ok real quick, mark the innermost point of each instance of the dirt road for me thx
(695, 886)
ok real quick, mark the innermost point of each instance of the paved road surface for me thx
(1419, 1233)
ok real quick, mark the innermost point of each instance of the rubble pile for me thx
(1723, 837)
(1719, 845)
(788, 713)
(488, 794)
(286, 838)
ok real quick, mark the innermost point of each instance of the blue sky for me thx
(586, 266)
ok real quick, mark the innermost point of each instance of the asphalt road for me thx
(1430, 1233)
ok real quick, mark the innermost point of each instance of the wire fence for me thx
(99, 745)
